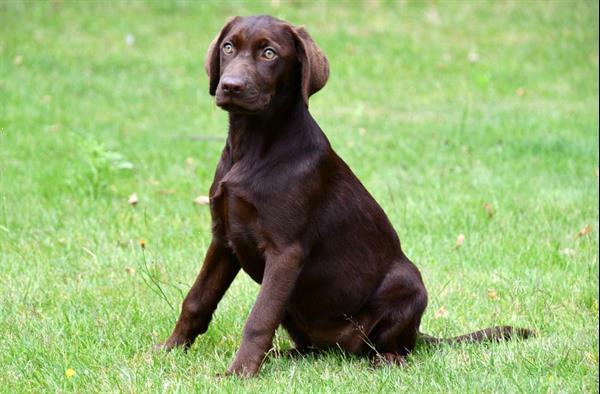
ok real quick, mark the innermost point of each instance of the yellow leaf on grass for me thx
(592, 358)
(70, 372)
(440, 312)
(584, 231)
(460, 240)
(492, 295)
(489, 209)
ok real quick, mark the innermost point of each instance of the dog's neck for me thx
(256, 135)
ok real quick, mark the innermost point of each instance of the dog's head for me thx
(256, 59)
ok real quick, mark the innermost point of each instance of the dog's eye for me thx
(269, 54)
(227, 48)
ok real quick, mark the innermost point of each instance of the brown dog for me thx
(288, 211)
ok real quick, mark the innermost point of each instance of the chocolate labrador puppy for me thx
(288, 211)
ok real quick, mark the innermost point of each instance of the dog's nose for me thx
(232, 85)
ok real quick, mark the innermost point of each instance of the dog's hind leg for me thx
(401, 300)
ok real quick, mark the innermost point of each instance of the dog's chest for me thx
(237, 223)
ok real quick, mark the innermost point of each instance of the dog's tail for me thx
(491, 334)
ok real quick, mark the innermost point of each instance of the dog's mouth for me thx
(236, 108)
(240, 105)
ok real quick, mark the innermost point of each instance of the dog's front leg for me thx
(281, 271)
(218, 271)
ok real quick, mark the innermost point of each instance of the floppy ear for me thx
(315, 68)
(212, 63)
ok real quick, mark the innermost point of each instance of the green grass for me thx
(433, 135)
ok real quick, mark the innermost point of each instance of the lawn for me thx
(474, 119)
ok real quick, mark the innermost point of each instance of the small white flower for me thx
(129, 39)
(202, 200)
(133, 199)
(432, 16)
(473, 57)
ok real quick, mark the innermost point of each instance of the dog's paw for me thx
(162, 347)
(388, 359)
(170, 344)
(242, 370)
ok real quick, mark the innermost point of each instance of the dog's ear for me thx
(315, 68)
(212, 63)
